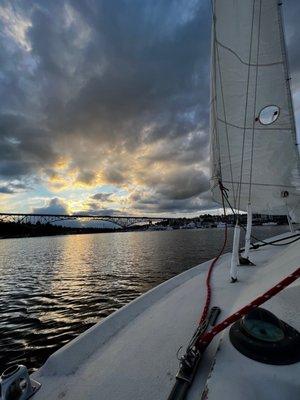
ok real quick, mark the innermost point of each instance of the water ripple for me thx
(54, 288)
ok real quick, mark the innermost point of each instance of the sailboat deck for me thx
(132, 354)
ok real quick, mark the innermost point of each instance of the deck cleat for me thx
(16, 384)
(245, 261)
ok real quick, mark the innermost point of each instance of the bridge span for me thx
(121, 221)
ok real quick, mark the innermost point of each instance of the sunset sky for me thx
(104, 105)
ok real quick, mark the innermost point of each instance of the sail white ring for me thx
(268, 114)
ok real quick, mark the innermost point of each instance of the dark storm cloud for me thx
(184, 150)
(184, 185)
(179, 184)
(112, 67)
(181, 191)
(156, 204)
(149, 70)
(94, 82)
(24, 146)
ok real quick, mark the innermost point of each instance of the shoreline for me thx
(88, 231)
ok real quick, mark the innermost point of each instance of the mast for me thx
(235, 255)
(248, 232)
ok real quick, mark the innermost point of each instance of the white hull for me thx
(132, 353)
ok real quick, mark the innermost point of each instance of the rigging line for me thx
(212, 100)
(224, 109)
(214, 105)
(271, 243)
(216, 165)
(246, 108)
(254, 107)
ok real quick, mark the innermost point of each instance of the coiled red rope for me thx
(208, 278)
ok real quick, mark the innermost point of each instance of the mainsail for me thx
(253, 138)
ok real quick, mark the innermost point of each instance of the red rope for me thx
(204, 341)
(209, 273)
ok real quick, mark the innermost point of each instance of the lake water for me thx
(54, 288)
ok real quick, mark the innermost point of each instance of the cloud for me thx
(6, 190)
(102, 196)
(13, 187)
(154, 203)
(53, 206)
(180, 184)
(101, 212)
(110, 93)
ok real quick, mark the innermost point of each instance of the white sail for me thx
(253, 138)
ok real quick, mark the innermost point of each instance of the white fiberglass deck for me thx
(132, 353)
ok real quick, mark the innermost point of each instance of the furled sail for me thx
(253, 139)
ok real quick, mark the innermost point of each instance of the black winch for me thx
(263, 337)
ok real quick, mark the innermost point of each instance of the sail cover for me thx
(253, 139)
